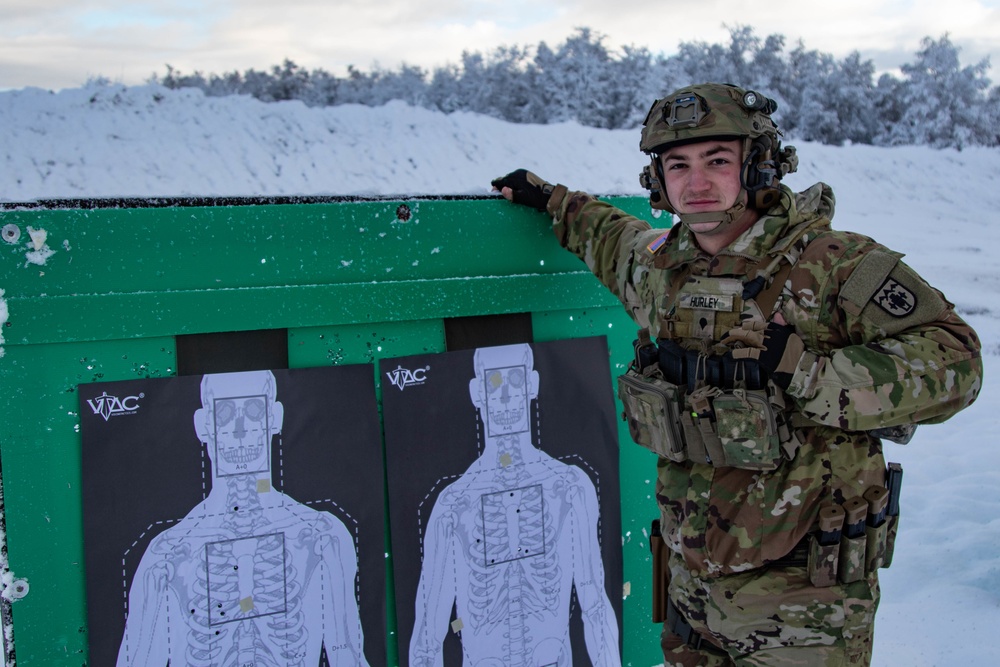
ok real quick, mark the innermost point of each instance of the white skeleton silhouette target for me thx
(510, 539)
(250, 577)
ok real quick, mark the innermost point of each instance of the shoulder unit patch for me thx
(887, 293)
(895, 298)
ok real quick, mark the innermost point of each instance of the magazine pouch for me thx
(890, 540)
(851, 562)
(652, 411)
(875, 546)
(823, 562)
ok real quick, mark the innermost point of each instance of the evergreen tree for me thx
(941, 104)
(407, 84)
(811, 113)
(630, 91)
(856, 107)
(938, 102)
(577, 80)
(494, 85)
(992, 117)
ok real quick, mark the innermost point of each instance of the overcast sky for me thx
(61, 43)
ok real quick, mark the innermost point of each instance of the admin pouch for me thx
(652, 411)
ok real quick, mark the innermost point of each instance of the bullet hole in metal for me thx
(10, 233)
(403, 213)
(19, 589)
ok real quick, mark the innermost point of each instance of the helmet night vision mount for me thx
(718, 111)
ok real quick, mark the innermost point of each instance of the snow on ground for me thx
(941, 598)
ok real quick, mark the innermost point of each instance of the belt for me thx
(797, 557)
(678, 625)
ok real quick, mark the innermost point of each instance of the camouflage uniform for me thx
(876, 356)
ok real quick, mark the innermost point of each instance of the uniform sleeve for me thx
(906, 357)
(607, 239)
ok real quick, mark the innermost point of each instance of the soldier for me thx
(779, 351)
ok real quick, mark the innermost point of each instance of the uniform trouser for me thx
(771, 617)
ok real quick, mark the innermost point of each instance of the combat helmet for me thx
(718, 111)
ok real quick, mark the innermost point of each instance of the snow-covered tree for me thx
(856, 100)
(497, 84)
(704, 62)
(578, 80)
(940, 103)
(993, 118)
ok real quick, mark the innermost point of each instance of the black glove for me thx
(781, 352)
(528, 189)
(776, 347)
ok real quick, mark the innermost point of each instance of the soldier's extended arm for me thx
(595, 231)
(591, 229)
(600, 627)
(910, 358)
(436, 591)
(599, 234)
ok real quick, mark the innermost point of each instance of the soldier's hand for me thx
(525, 188)
(776, 347)
(747, 339)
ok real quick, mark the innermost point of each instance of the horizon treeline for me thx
(937, 102)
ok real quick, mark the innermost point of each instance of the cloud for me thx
(57, 43)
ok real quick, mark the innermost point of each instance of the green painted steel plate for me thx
(352, 281)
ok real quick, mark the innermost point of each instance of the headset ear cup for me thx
(664, 203)
(765, 198)
(756, 178)
(651, 178)
(761, 177)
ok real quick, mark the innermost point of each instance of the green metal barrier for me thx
(351, 281)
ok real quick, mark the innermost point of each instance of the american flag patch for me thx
(658, 243)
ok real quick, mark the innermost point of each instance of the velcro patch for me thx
(888, 294)
(867, 279)
(903, 300)
(895, 298)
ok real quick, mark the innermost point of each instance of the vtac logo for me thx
(403, 378)
(106, 406)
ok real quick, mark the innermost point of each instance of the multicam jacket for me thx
(883, 348)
